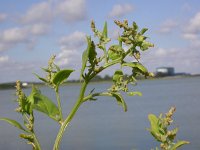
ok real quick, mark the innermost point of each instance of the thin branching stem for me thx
(36, 142)
(59, 103)
(96, 94)
(70, 116)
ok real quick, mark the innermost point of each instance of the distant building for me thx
(24, 84)
(165, 71)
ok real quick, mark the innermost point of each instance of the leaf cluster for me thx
(113, 54)
(160, 131)
(25, 108)
(54, 75)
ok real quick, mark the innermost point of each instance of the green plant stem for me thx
(70, 116)
(112, 63)
(31, 121)
(81, 99)
(59, 103)
(105, 53)
(37, 144)
(96, 94)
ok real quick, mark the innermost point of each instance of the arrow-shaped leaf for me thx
(43, 104)
(120, 100)
(154, 126)
(85, 55)
(179, 144)
(136, 65)
(92, 53)
(143, 31)
(105, 30)
(61, 76)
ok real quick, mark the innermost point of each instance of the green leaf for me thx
(85, 55)
(105, 30)
(14, 123)
(42, 79)
(134, 93)
(154, 123)
(120, 100)
(143, 31)
(135, 26)
(115, 52)
(92, 53)
(120, 41)
(61, 76)
(137, 65)
(43, 104)
(179, 144)
(117, 75)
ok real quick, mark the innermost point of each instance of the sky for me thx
(34, 30)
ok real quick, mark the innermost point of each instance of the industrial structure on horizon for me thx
(165, 71)
(169, 71)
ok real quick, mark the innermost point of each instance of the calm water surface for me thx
(102, 125)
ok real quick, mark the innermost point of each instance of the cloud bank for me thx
(120, 10)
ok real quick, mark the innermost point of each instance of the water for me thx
(102, 125)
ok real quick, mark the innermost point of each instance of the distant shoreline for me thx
(11, 85)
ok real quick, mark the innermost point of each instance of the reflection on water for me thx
(102, 125)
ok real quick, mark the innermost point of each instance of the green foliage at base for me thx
(160, 131)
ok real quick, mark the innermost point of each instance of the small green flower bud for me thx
(93, 25)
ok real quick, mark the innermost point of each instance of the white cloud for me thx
(2, 17)
(120, 10)
(48, 11)
(71, 10)
(71, 59)
(168, 26)
(72, 48)
(3, 59)
(21, 35)
(172, 57)
(160, 52)
(41, 12)
(195, 43)
(39, 18)
(68, 57)
(14, 35)
(190, 36)
(191, 31)
(39, 29)
(74, 40)
(194, 24)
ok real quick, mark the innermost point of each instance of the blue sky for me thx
(31, 31)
